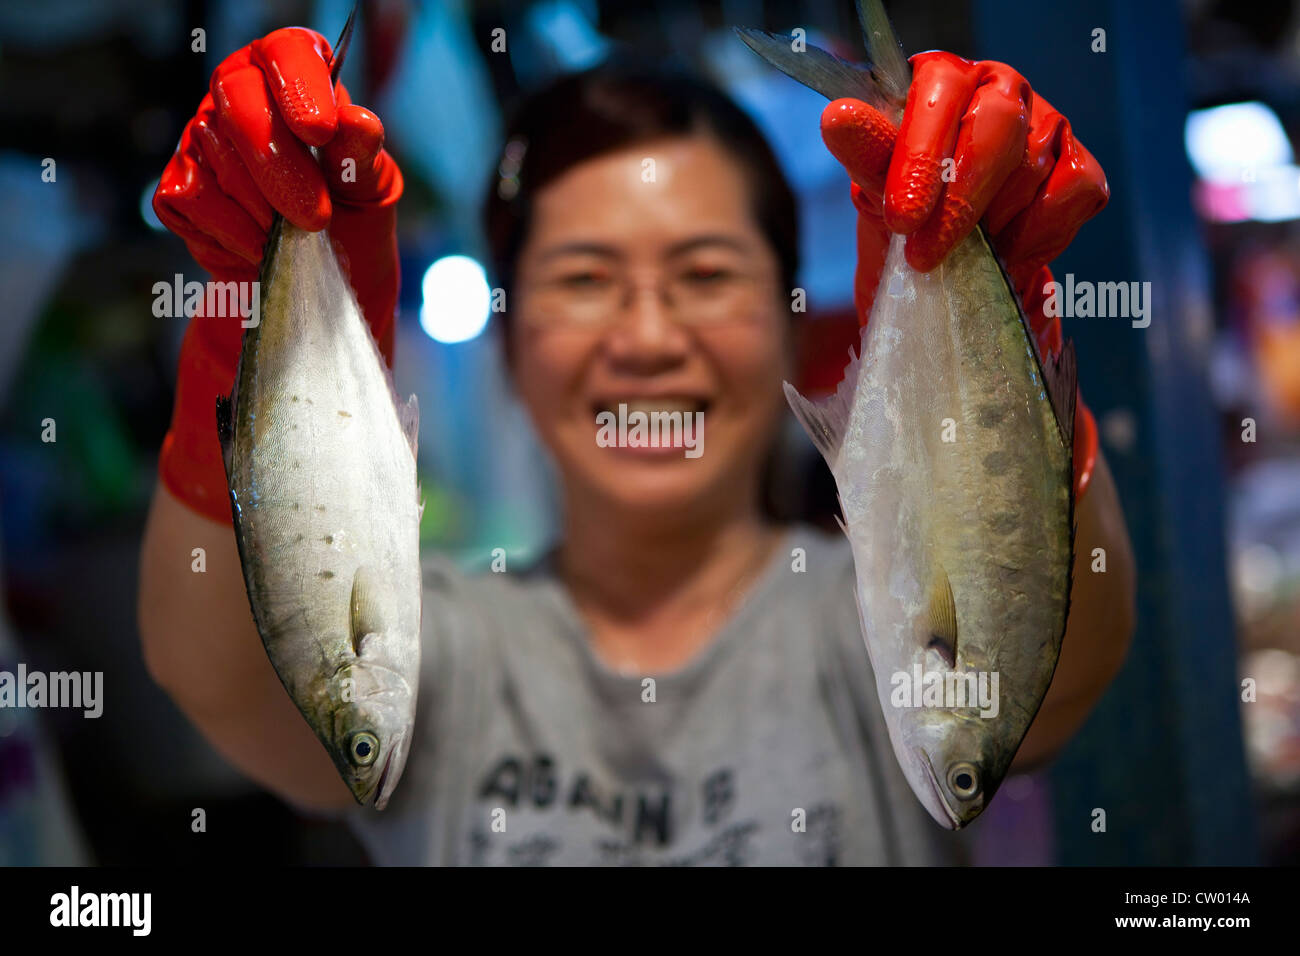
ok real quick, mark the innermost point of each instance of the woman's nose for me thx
(646, 330)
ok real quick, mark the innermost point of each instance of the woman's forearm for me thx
(201, 645)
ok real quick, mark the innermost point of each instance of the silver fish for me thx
(320, 456)
(950, 439)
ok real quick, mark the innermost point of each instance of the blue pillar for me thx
(1163, 753)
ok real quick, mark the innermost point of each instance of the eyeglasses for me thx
(598, 297)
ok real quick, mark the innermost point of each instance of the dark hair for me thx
(613, 106)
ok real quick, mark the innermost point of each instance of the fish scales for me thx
(943, 346)
(324, 487)
(314, 464)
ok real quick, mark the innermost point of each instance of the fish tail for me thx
(885, 54)
(882, 81)
(341, 46)
(336, 67)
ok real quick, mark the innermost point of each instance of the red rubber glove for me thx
(1015, 165)
(242, 157)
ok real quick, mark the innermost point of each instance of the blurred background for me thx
(1191, 107)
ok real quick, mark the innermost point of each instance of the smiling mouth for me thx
(648, 406)
(655, 428)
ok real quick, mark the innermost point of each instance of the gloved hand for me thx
(1015, 164)
(244, 155)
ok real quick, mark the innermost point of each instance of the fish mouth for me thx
(382, 792)
(937, 790)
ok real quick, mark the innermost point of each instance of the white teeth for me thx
(649, 406)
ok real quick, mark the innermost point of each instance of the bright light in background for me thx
(1272, 196)
(457, 300)
(1225, 140)
(1244, 163)
(146, 208)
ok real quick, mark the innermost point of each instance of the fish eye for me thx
(363, 748)
(964, 780)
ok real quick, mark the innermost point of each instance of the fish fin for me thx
(226, 432)
(408, 414)
(824, 72)
(827, 420)
(941, 616)
(889, 63)
(1062, 376)
(366, 610)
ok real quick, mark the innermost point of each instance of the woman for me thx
(677, 682)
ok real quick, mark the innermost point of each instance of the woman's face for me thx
(645, 283)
